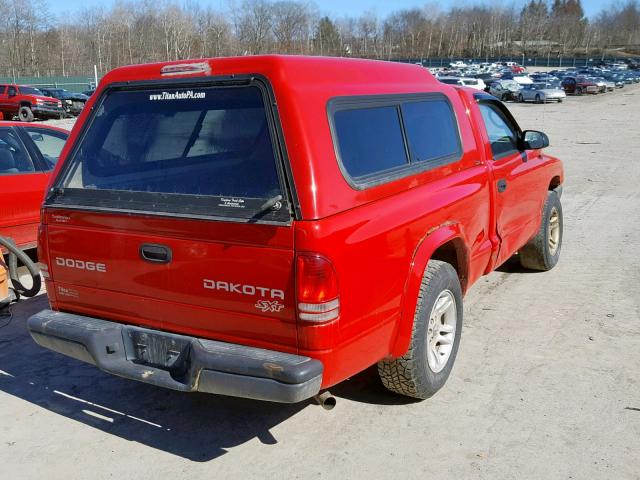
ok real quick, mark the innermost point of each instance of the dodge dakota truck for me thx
(268, 226)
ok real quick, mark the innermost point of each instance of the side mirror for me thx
(36, 137)
(533, 140)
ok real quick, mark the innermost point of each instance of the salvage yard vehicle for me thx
(541, 93)
(203, 232)
(27, 157)
(28, 103)
(73, 103)
(578, 85)
(505, 90)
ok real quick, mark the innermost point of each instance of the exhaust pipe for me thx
(325, 400)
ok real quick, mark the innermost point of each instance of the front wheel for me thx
(543, 251)
(520, 98)
(579, 91)
(435, 336)
(538, 99)
(25, 114)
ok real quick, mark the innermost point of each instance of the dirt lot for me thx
(546, 384)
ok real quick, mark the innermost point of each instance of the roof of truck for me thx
(299, 70)
(302, 89)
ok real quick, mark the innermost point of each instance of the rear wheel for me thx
(579, 91)
(25, 114)
(543, 251)
(435, 337)
(520, 98)
(538, 99)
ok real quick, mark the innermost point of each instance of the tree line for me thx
(34, 42)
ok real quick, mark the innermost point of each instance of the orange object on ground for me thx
(4, 282)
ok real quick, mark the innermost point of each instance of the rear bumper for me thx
(179, 362)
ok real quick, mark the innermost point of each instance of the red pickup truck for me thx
(266, 227)
(28, 103)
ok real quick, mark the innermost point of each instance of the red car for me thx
(578, 85)
(28, 103)
(269, 226)
(28, 154)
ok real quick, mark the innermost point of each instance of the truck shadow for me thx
(198, 427)
(513, 266)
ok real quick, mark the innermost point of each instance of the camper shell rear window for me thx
(193, 149)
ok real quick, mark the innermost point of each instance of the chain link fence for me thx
(550, 61)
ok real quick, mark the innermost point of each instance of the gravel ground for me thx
(545, 386)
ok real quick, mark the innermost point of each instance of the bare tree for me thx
(137, 31)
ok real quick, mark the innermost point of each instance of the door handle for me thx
(502, 185)
(154, 253)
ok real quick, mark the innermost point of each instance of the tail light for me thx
(317, 289)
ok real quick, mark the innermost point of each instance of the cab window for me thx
(13, 158)
(503, 135)
(49, 144)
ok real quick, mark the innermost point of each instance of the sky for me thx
(337, 8)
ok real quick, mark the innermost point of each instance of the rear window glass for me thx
(198, 150)
(370, 140)
(431, 129)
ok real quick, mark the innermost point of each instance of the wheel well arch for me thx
(25, 104)
(445, 243)
(454, 253)
(555, 183)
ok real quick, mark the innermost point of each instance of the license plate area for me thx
(159, 350)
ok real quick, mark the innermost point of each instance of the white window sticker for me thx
(186, 95)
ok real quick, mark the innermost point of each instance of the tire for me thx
(539, 254)
(559, 100)
(503, 97)
(538, 99)
(579, 91)
(25, 114)
(424, 370)
(520, 98)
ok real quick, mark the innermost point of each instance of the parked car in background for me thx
(600, 83)
(73, 103)
(578, 85)
(540, 93)
(27, 103)
(505, 90)
(476, 83)
(608, 84)
(28, 154)
(450, 80)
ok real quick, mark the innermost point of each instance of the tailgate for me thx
(172, 212)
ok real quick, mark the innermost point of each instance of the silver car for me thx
(541, 93)
(505, 89)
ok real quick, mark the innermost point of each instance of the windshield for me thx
(205, 150)
(30, 91)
